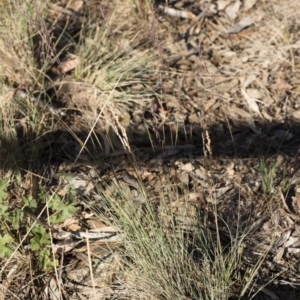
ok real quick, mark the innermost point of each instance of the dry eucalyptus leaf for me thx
(283, 238)
(241, 25)
(52, 289)
(207, 106)
(230, 170)
(293, 240)
(237, 115)
(297, 200)
(74, 227)
(254, 93)
(294, 114)
(221, 191)
(248, 4)
(201, 173)
(246, 82)
(187, 167)
(251, 102)
(184, 177)
(293, 250)
(68, 65)
(76, 5)
(176, 203)
(282, 85)
(278, 256)
(233, 10)
(194, 197)
(71, 223)
(227, 86)
(96, 224)
(222, 4)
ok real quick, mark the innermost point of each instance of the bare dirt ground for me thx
(214, 104)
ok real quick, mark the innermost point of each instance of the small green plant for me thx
(62, 210)
(6, 239)
(3, 195)
(39, 240)
(14, 219)
(5, 246)
(44, 259)
(3, 187)
(267, 172)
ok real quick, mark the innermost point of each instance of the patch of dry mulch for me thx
(225, 92)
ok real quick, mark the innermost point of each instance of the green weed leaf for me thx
(63, 210)
(29, 201)
(5, 246)
(40, 238)
(3, 211)
(17, 218)
(64, 176)
(3, 186)
(44, 259)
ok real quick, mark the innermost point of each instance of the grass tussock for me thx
(162, 259)
(174, 264)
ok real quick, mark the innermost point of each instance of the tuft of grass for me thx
(268, 173)
(26, 47)
(167, 262)
(110, 62)
(167, 256)
(26, 53)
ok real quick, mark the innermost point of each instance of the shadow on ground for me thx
(28, 151)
